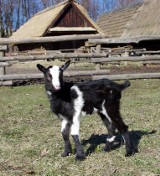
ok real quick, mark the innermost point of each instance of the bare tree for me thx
(0, 18)
(108, 5)
(14, 13)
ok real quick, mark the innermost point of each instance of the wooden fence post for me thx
(2, 51)
(2, 69)
(98, 50)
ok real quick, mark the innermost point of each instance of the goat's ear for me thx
(63, 67)
(41, 68)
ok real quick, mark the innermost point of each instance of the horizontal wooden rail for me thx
(147, 52)
(20, 76)
(94, 77)
(3, 47)
(123, 40)
(6, 83)
(6, 41)
(128, 76)
(151, 62)
(53, 56)
(40, 75)
(92, 38)
(5, 64)
(95, 57)
(125, 58)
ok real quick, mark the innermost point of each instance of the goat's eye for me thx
(49, 77)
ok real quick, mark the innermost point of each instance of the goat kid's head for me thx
(53, 76)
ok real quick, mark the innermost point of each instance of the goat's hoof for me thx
(107, 149)
(65, 154)
(80, 157)
(130, 153)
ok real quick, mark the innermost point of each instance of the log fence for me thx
(97, 57)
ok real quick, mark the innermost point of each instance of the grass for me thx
(31, 143)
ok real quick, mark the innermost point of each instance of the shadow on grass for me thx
(96, 140)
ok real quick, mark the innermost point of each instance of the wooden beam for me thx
(95, 57)
(146, 52)
(128, 76)
(125, 58)
(5, 64)
(86, 73)
(4, 78)
(151, 62)
(20, 76)
(123, 40)
(53, 56)
(98, 50)
(3, 47)
(40, 75)
(6, 83)
(2, 69)
(71, 29)
(6, 41)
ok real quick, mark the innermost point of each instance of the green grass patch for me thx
(31, 143)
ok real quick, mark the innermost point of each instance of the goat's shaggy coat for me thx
(71, 100)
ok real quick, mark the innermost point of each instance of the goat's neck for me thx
(63, 94)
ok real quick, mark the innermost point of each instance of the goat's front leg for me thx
(80, 155)
(65, 129)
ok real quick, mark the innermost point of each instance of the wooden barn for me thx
(66, 18)
(138, 25)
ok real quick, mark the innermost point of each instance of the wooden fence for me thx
(98, 57)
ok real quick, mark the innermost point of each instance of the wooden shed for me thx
(138, 21)
(66, 18)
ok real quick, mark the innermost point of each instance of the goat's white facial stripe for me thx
(55, 71)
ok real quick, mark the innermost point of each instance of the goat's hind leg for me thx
(65, 130)
(111, 132)
(123, 129)
(121, 126)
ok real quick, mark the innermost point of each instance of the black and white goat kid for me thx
(71, 100)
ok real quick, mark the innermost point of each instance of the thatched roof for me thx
(113, 23)
(146, 22)
(138, 20)
(41, 22)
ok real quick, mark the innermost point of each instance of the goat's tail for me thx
(125, 85)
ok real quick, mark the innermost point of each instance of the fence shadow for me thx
(96, 140)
